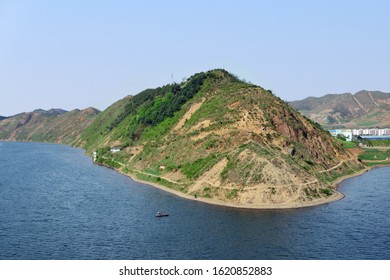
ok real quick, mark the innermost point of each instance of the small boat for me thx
(162, 214)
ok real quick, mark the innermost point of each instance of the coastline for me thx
(207, 200)
(340, 180)
(332, 198)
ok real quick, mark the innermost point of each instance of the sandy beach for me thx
(334, 197)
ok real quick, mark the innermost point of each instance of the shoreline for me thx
(332, 198)
(340, 180)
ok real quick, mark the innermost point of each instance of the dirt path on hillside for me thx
(369, 94)
(188, 114)
(332, 168)
(359, 104)
(156, 176)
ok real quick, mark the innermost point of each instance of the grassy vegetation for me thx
(327, 191)
(108, 161)
(232, 194)
(215, 108)
(374, 154)
(194, 169)
(367, 163)
(317, 193)
(96, 134)
(348, 144)
(312, 192)
(161, 181)
(331, 176)
(229, 166)
(380, 143)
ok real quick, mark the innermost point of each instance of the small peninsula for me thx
(221, 140)
(213, 138)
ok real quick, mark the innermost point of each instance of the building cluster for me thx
(349, 134)
(371, 131)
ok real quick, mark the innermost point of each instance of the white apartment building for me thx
(371, 131)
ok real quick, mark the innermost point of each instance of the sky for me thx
(76, 54)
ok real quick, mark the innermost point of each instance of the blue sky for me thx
(76, 54)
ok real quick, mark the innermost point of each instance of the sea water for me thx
(56, 204)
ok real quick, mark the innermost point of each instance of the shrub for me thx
(327, 192)
(232, 194)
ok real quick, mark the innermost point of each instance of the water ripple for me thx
(56, 204)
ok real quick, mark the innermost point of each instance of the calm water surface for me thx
(56, 204)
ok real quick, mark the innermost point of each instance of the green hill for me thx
(99, 132)
(127, 120)
(214, 136)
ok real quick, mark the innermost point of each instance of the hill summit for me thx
(219, 139)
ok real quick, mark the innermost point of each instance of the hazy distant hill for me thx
(217, 137)
(54, 125)
(362, 109)
(53, 111)
(2, 118)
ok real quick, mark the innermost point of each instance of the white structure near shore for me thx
(350, 133)
(371, 131)
(347, 133)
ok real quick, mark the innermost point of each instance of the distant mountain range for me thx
(54, 125)
(360, 110)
